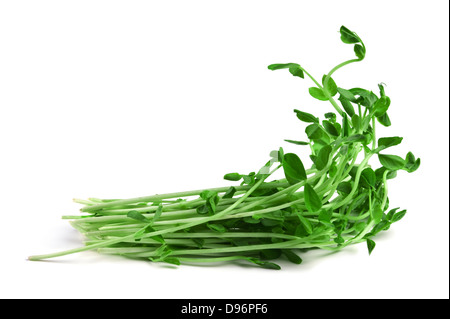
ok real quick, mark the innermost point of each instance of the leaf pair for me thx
(350, 37)
(328, 90)
(294, 68)
(394, 162)
(211, 200)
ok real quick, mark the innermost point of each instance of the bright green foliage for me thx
(341, 199)
(293, 168)
(313, 202)
(370, 245)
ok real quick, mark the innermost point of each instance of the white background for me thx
(117, 99)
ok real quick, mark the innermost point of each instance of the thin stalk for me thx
(153, 198)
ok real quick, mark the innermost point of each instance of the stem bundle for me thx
(337, 202)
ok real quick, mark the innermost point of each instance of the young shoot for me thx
(339, 201)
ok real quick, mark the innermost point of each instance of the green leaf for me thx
(306, 224)
(325, 217)
(317, 94)
(379, 172)
(333, 169)
(264, 264)
(414, 167)
(297, 142)
(410, 158)
(229, 193)
(330, 128)
(134, 214)
(232, 176)
(376, 213)
(381, 106)
(356, 121)
(251, 220)
(344, 187)
(280, 155)
(391, 162)
(370, 245)
(217, 227)
(347, 105)
(291, 256)
(330, 85)
(211, 199)
(384, 120)
(312, 201)
(314, 131)
(322, 158)
(203, 210)
(412, 164)
(294, 68)
(171, 260)
(391, 213)
(360, 51)
(279, 66)
(348, 37)
(386, 142)
(346, 94)
(270, 254)
(381, 87)
(293, 168)
(158, 213)
(306, 117)
(300, 231)
(398, 216)
(368, 176)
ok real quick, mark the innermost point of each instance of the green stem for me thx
(311, 77)
(159, 232)
(337, 67)
(159, 197)
(383, 204)
(374, 142)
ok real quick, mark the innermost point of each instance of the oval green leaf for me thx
(232, 176)
(314, 131)
(330, 128)
(312, 201)
(386, 142)
(293, 168)
(347, 36)
(391, 162)
(330, 86)
(306, 117)
(317, 94)
(321, 160)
